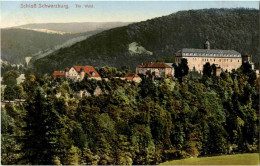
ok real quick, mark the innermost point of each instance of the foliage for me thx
(9, 78)
(181, 69)
(129, 123)
(9, 93)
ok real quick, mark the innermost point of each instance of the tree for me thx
(181, 69)
(169, 60)
(247, 70)
(108, 72)
(9, 93)
(19, 91)
(40, 143)
(9, 78)
(214, 69)
(207, 70)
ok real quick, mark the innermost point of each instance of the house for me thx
(158, 69)
(77, 73)
(57, 74)
(197, 58)
(133, 77)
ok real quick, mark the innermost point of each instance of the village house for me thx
(57, 74)
(158, 69)
(77, 73)
(223, 59)
(133, 77)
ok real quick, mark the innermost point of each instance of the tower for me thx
(66, 73)
(82, 74)
(207, 44)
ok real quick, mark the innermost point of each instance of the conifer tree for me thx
(42, 131)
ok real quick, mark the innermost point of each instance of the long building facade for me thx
(159, 69)
(197, 58)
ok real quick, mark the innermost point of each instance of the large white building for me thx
(197, 58)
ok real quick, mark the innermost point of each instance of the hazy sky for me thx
(13, 15)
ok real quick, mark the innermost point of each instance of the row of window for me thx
(223, 66)
(213, 60)
(203, 54)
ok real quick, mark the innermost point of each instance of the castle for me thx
(223, 59)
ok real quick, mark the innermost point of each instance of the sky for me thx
(12, 13)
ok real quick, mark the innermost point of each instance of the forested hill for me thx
(160, 38)
(20, 43)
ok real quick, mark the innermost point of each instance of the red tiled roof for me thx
(88, 70)
(58, 73)
(153, 65)
(131, 76)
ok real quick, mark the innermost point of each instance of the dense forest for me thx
(234, 29)
(129, 123)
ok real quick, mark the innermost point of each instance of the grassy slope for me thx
(237, 159)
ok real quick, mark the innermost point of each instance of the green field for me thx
(237, 159)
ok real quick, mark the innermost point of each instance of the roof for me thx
(131, 76)
(89, 70)
(245, 54)
(58, 73)
(189, 52)
(153, 65)
(169, 64)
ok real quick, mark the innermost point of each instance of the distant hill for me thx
(37, 39)
(75, 27)
(160, 38)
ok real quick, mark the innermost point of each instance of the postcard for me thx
(130, 82)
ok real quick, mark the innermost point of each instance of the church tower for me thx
(207, 44)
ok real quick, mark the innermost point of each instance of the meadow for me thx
(236, 159)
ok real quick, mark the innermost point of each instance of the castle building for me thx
(77, 73)
(197, 58)
(158, 69)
